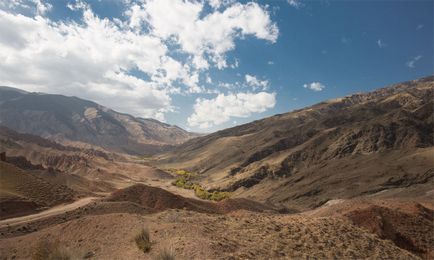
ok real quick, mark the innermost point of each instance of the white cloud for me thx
(295, 3)
(207, 38)
(208, 79)
(235, 64)
(228, 85)
(412, 63)
(41, 7)
(136, 16)
(315, 86)
(419, 26)
(255, 83)
(270, 62)
(36, 6)
(381, 44)
(125, 64)
(215, 3)
(219, 3)
(211, 112)
(89, 60)
(78, 5)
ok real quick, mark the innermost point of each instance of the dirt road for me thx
(48, 213)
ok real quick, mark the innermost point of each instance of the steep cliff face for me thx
(388, 124)
(69, 118)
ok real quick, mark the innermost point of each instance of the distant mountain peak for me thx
(74, 119)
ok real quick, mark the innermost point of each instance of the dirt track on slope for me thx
(48, 213)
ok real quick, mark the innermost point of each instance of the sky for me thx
(209, 65)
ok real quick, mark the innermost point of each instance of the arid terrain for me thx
(79, 122)
(370, 143)
(351, 178)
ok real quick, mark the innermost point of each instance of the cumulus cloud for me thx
(412, 63)
(315, 86)
(219, 110)
(255, 83)
(90, 60)
(126, 63)
(207, 38)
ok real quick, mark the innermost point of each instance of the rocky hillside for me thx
(64, 118)
(351, 146)
(22, 192)
(85, 170)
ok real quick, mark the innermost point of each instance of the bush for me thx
(184, 181)
(50, 251)
(206, 195)
(201, 193)
(219, 195)
(143, 241)
(165, 255)
(183, 173)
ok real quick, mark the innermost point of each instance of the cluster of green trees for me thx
(185, 181)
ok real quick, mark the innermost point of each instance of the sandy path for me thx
(48, 213)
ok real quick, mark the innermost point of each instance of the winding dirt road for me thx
(48, 213)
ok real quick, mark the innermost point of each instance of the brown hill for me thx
(159, 200)
(408, 224)
(73, 119)
(192, 235)
(88, 171)
(54, 162)
(357, 145)
(400, 227)
(22, 192)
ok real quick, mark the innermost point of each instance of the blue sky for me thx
(208, 65)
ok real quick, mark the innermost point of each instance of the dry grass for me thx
(143, 241)
(238, 235)
(50, 251)
(165, 254)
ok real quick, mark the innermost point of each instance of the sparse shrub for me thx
(184, 181)
(181, 172)
(165, 254)
(50, 251)
(220, 195)
(143, 241)
(201, 193)
(206, 195)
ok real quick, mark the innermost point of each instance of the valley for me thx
(349, 178)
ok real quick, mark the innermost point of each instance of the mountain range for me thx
(365, 143)
(80, 122)
(348, 178)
